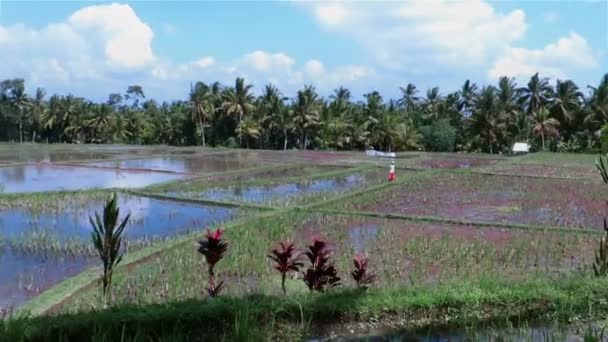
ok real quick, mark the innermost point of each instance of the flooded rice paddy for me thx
(49, 177)
(182, 164)
(283, 194)
(43, 244)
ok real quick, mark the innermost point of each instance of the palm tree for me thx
(249, 128)
(306, 112)
(598, 103)
(431, 103)
(276, 113)
(408, 99)
(408, 136)
(543, 124)
(538, 93)
(239, 101)
(567, 101)
(467, 97)
(100, 121)
(37, 111)
(20, 101)
(201, 106)
(488, 122)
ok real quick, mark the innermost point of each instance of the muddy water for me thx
(44, 177)
(182, 164)
(260, 194)
(536, 334)
(24, 274)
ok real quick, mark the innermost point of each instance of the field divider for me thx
(489, 173)
(198, 201)
(447, 220)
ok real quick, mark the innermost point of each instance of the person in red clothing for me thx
(391, 173)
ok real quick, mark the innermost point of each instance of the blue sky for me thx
(93, 48)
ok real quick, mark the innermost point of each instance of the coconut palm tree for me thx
(431, 103)
(536, 94)
(466, 101)
(36, 113)
(249, 128)
(276, 114)
(20, 101)
(239, 101)
(567, 101)
(201, 106)
(408, 99)
(306, 112)
(487, 121)
(543, 124)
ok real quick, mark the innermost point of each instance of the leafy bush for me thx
(439, 137)
(321, 273)
(361, 274)
(107, 240)
(286, 259)
(213, 248)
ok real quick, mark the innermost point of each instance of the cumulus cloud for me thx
(104, 48)
(429, 32)
(570, 53)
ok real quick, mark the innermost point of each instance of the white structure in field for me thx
(521, 147)
(374, 153)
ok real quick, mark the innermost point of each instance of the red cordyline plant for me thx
(286, 259)
(321, 274)
(361, 274)
(213, 248)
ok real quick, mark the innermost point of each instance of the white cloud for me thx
(127, 40)
(550, 17)
(435, 33)
(314, 68)
(264, 61)
(205, 62)
(569, 53)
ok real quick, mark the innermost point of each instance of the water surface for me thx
(45, 177)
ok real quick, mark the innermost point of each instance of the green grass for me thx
(260, 317)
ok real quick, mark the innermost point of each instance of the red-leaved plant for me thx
(286, 258)
(321, 274)
(213, 248)
(361, 274)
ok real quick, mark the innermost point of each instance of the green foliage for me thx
(439, 137)
(489, 118)
(107, 240)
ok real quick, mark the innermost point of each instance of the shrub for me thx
(286, 259)
(213, 248)
(107, 240)
(361, 274)
(321, 274)
(439, 137)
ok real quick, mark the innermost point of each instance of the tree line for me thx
(559, 116)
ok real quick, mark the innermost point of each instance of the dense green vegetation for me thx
(262, 317)
(489, 119)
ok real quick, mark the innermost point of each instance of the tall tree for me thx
(536, 94)
(239, 101)
(306, 112)
(543, 124)
(201, 106)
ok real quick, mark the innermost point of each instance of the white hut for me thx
(521, 147)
